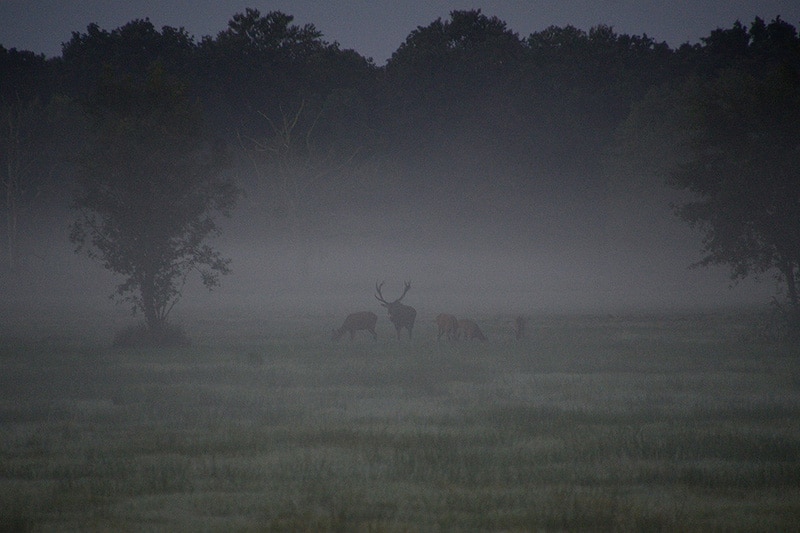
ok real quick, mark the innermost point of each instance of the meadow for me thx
(640, 422)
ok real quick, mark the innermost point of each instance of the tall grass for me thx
(654, 423)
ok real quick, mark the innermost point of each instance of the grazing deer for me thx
(470, 329)
(363, 320)
(402, 316)
(519, 327)
(448, 326)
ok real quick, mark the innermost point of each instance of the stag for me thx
(363, 320)
(470, 329)
(448, 326)
(402, 316)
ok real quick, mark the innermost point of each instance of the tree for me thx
(302, 175)
(292, 168)
(744, 172)
(24, 128)
(150, 188)
(724, 134)
(18, 180)
(131, 49)
(452, 70)
(257, 59)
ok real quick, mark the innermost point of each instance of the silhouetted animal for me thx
(471, 330)
(448, 326)
(363, 320)
(402, 316)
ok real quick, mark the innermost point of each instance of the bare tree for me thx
(299, 173)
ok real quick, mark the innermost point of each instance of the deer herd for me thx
(403, 316)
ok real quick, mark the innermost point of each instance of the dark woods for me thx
(141, 124)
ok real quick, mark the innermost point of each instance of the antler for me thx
(379, 296)
(407, 286)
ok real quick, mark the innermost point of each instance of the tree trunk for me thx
(791, 284)
(793, 313)
(11, 217)
(149, 307)
(10, 228)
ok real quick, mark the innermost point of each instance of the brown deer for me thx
(471, 330)
(448, 326)
(402, 316)
(363, 320)
(519, 327)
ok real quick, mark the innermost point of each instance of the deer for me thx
(402, 316)
(448, 326)
(363, 320)
(519, 327)
(471, 330)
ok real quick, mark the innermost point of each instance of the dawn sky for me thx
(375, 28)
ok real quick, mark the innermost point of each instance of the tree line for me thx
(138, 129)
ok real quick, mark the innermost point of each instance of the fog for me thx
(478, 271)
(478, 237)
(507, 246)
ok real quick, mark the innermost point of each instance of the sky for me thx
(376, 28)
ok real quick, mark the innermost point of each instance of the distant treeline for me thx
(467, 94)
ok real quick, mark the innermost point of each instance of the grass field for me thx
(678, 422)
